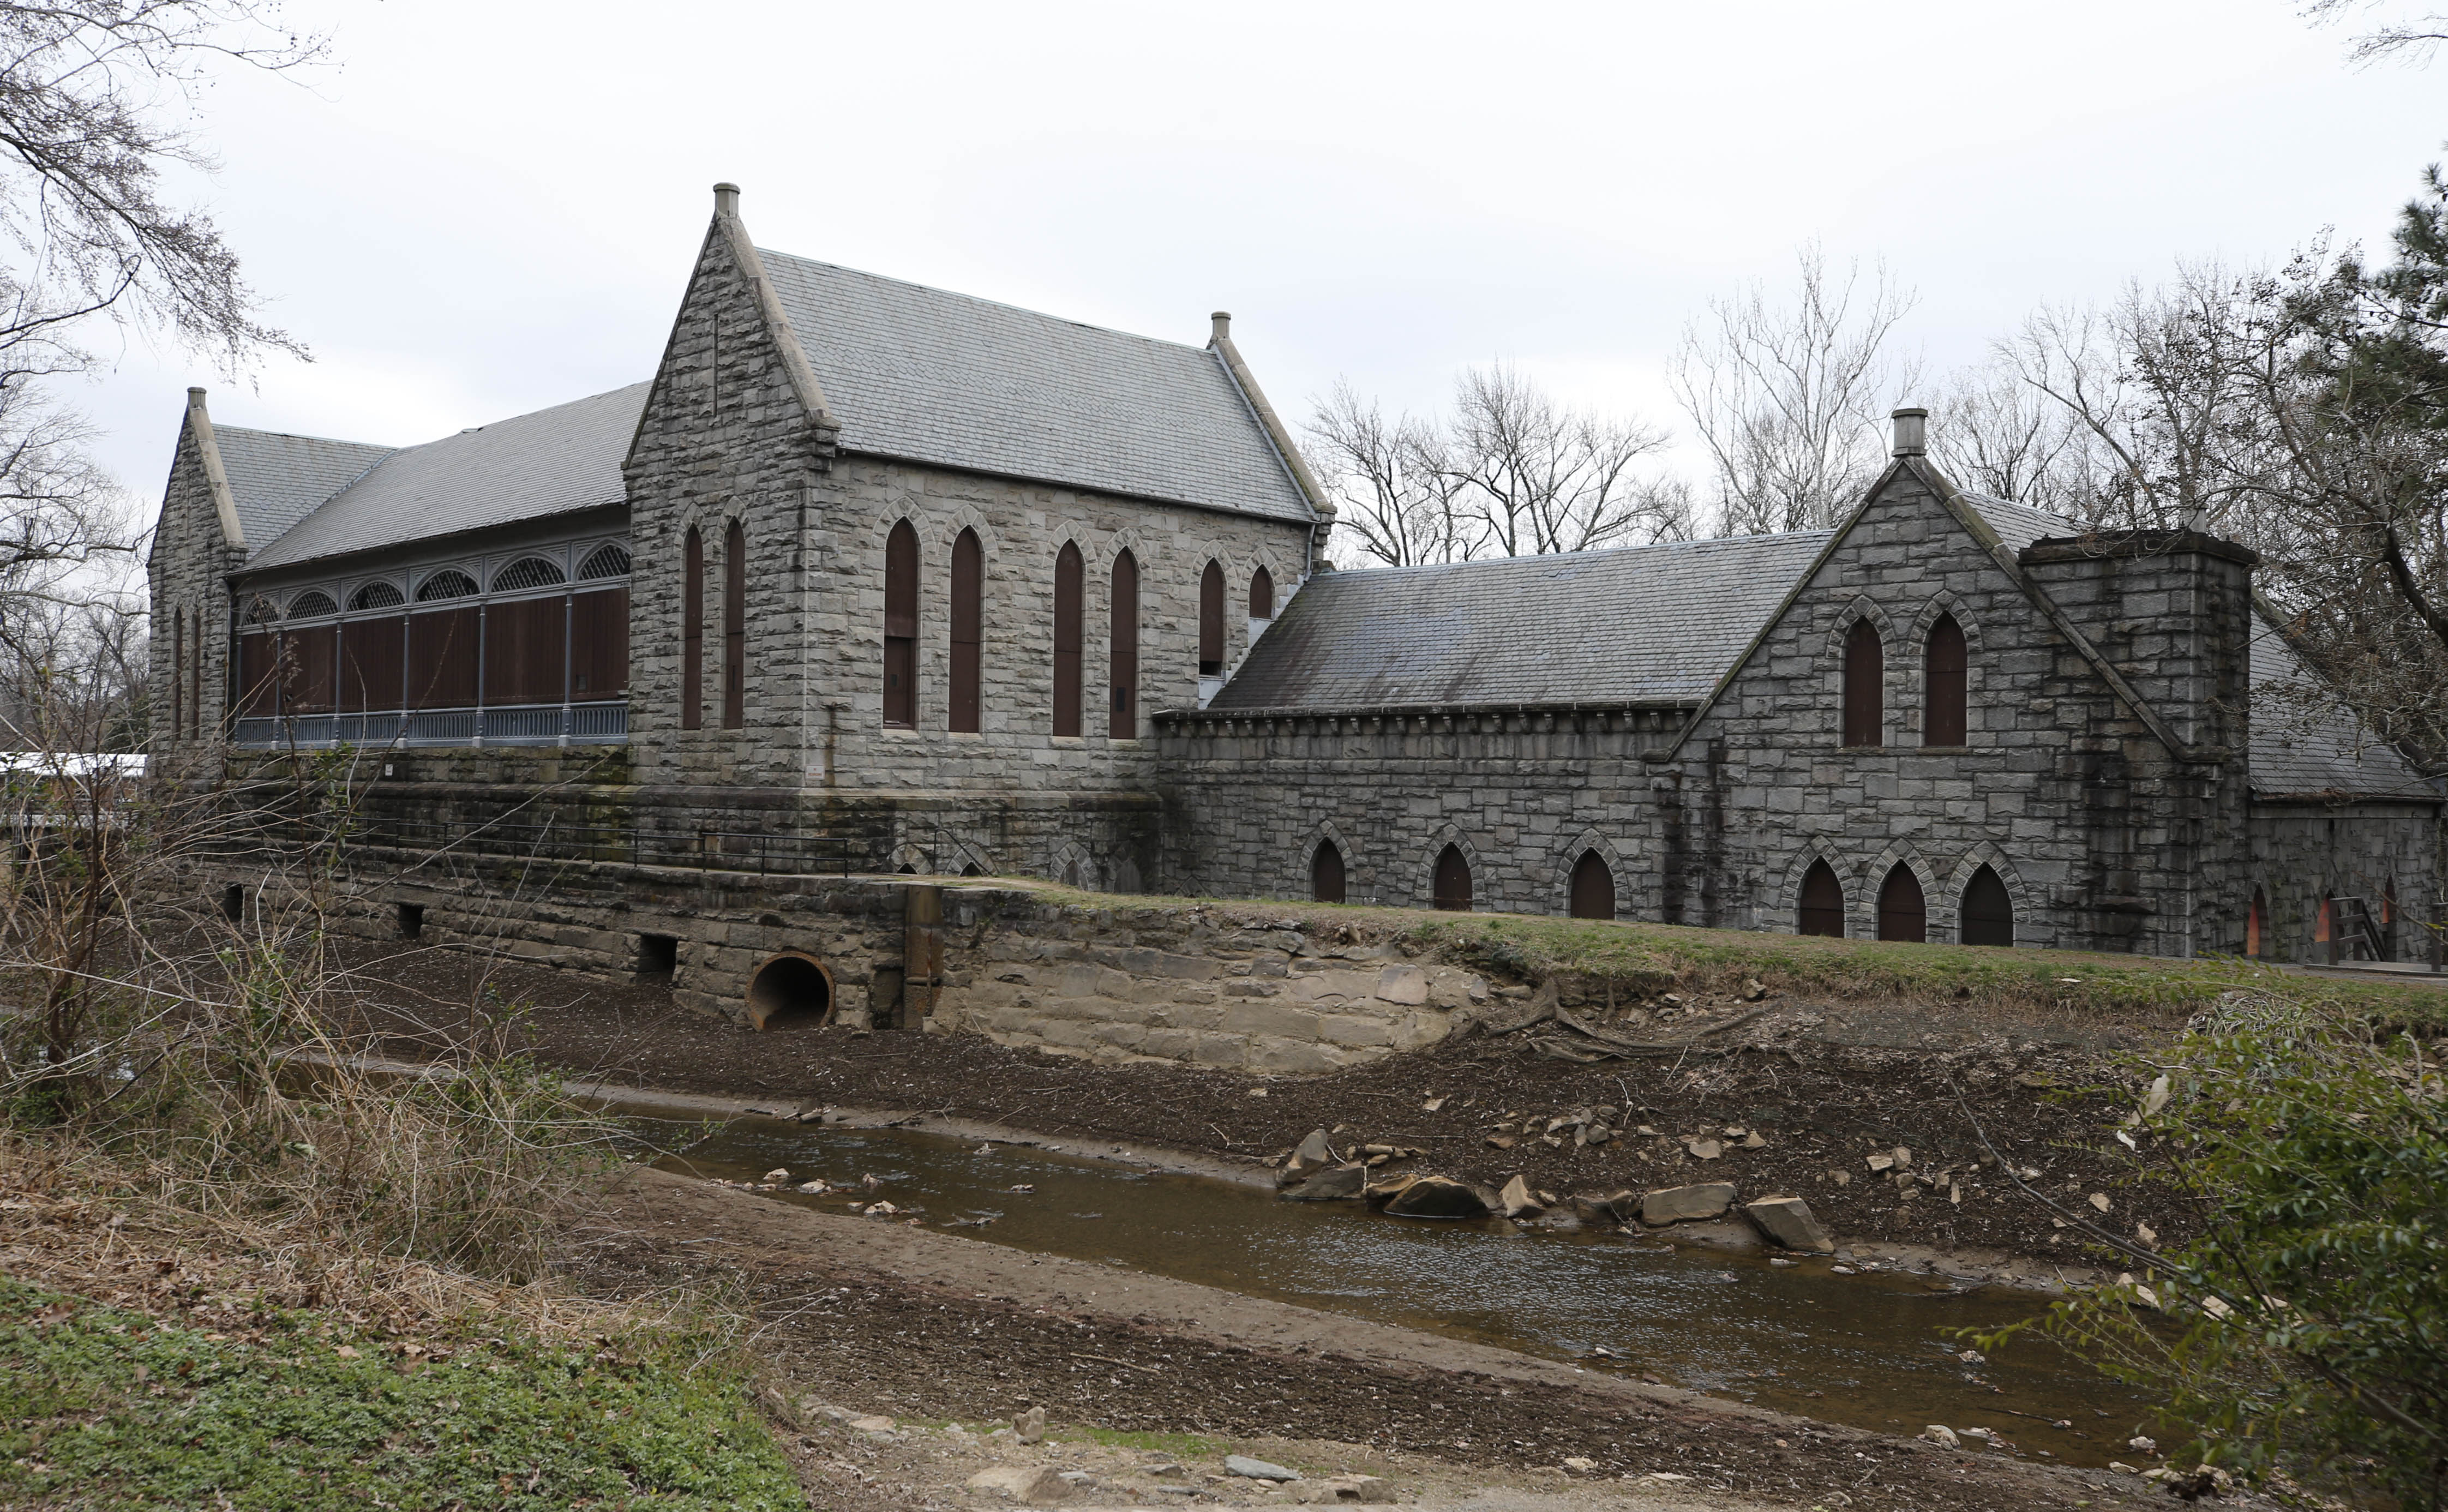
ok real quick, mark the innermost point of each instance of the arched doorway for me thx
(1988, 911)
(1903, 915)
(1326, 882)
(1452, 888)
(1593, 887)
(788, 991)
(1823, 902)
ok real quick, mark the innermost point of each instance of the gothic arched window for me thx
(1593, 887)
(1945, 718)
(1988, 912)
(1070, 588)
(1865, 695)
(1902, 913)
(735, 626)
(1210, 621)
(1326, 882)
(969, 630)
(693, 631)
(1451, 889)
(1262, 594)
(901, 627)
(1124, 647)
(1823, 902)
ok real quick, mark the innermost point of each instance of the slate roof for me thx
(1631, 624)
(931, 376)
(2307, 746)
(276, 478)
(2019, 524)
(526, 468)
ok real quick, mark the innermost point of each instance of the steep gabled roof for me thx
(528, 468)
(1628, 625)
(931, 377)
(2306, 742)
(276, 478)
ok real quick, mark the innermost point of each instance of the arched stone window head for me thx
(2256, 923)
(1125, 643)
(1823, 902)
(1070, 576)
(1988, 911)
(1865, 690)
(1945, 717)
(1326, 884)
(1262, 594)
(901, 627)
(1210, 621)
(969, 631)
(1593, 887)
(1451, 890)
(735, 627)
(1902, 913)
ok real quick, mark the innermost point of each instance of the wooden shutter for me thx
(1262, 594)
(370, 664)
(1945, 717)
(599, 644)
(1823, 902)
(1593, 887)
(524, 651)
(693, 631)
(442, 658)
(1865, 697)
(259, 674)
(1210, 621)
(1325, 874)
(968, 629)
(735, 627)
(1070, 590)
(1452, 891)
(1988, 910)
(1903, 915)
(313, 657)
(1125, 643)
(901, 627)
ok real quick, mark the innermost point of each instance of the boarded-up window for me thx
(371, 666)
(1903, 913)
(1125, 643)
(1823, 902)
(1988, 910)
(693, 631)
(524, 651)
(1944, 720)
(1070, 590)
(259, 674)
(1452, 889)
(1210, 621)
(307, 681)
(442, 658)
(1262, 594)
(901, 627)
(968, 629)
(1593, 887)
(2256, 923)
(735, 627)
(1864, 671)
(599, 644)
(1325, 872)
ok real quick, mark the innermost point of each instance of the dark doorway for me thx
(234, 903)
(411, 921)
(1452, 890)
(1988, 911)
(1823, 902)
(1325, 874)
(1902, 913)
(789, 990)
(1593, 887)
(658, 955)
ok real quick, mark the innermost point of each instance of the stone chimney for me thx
(1912, 432)
(1220, 327)
(726, 199)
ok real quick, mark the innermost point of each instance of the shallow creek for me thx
(1865, 1348)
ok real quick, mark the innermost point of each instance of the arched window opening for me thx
(527, 572)
(377, 595)
(1070, 588)
(1125, 643)
(1262, 594)
(312, 606)
(1988, 913)
(969, 630)
(901, 627)
(1326, 882)
(448, 584)
(178, 672)
(789, 990)
(735, 626)
(1864, 674)
(1593, 887)
(1823, 902)
(693, 631)
(2256, 923)
(606, 561)
(1903, 915)
(1451, 889)
(195, 678)
(1210, 621)
(1945, 718)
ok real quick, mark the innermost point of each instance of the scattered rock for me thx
(1754, 1140)
(1432, 1105)
(874, 1423)
(2100, 1200)
(1364, 1489)
(1788, 1221)
(2146, 1446)
(1880, 1163)
(1441, 1197)
(1334, 1183)
(1682, 1204)
(1311, 1153)
(1030, 1485)
(1516, 1199)
(1704, 1149)
(1940, 1434)
(1902, 1157)
(777, 1173)
(1580, 1464)
(1242, 1465)
(1029, 1425)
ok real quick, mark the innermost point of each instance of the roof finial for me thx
(1223, 322)
(1912, 432)
(726, 199)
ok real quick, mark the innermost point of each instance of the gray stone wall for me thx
(187, 572)
(2303, 851)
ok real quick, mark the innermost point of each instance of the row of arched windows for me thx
(1452, 890)
(1945, 715)
(1985, 915)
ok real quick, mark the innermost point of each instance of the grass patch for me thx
(106, 1408)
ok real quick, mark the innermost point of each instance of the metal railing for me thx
(604, 723)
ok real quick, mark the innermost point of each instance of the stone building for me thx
(868, 577)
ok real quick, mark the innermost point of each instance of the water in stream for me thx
(1864, 1350)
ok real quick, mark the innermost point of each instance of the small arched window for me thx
(312, 606)
(196, 676)
(610, 560)
(2256, 923)
(1125, 644)
(1945, 719)
(969, 630)
(692, 631)
(901, 627)
(178, 672)
(527, 572)
(1326, 882)
(1070, 588)
(448, 584)
(377, 595)
(735, 626)
(1262, 594)
(1210, 621)
(1823, 902)
(260, 610)
(1902, 913)
(1865, 695)
(1593, 887)
(1451, 889)
(1988, 914)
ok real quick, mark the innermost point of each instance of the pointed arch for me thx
(1903, 905)
(967, 617)
(1432, 858)
(1210, 619)
(1328, 873)
(1864, 685)
(1074, 866)
(1262, 593)
(735, 625)
(1299, 879)
(1450, 885)
(1819, 901)
(1564, 860)
(1945, 666)
(693, 629)
(1593, 887)
(1985, 913)
(1070, 592)
(1122, 648)
(901, 626)
(178, 671)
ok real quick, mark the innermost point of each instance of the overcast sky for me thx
(486, 208)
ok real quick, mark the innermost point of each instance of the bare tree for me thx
(1396, 506)
(1791, 399)
(2412, 41)
(1996, 434)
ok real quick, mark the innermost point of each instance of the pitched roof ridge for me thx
(1199, 350)
(300, 435)
(524, 414)
(1587, 552)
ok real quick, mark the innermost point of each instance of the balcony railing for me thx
(554, 724)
